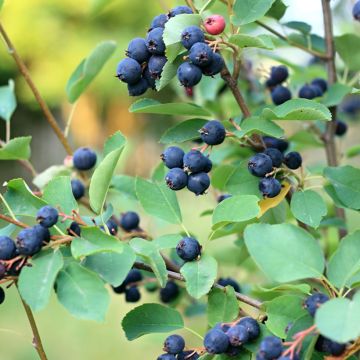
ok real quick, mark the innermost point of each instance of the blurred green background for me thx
(53, 36)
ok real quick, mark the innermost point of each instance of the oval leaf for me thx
(7, 101)
(247, 11)
(16, 149)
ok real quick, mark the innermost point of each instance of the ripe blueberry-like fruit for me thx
(137, 50)
(222, 326)
(173, 157)
(215, 66)
(214, 24)
(188, 355)
(195, 161)
(166, 357)
(169, 293)
(313, 302)
(260, 164)
(293, 160)
(269, 187)
(356, 11)
(288, 357)
(112, 226)
(7, 248)
(278, 75)
(201, 54)
(280, 94)
(78, 189)
(132, 294)
(321, 83)
(43, 233)
(74, 229)
(155, 42)
(188, 249)
(198, 183)
(328, 346)
(271, 347)
(213, 132)
(341, 128)
(47, 216)
(128, 71)
(150, 80)
(276, 156)
(129, 221)
(138, 88)
(180, 10)
(351, 105)
(28, 242)
(251, 325)
(238, 335)
(84, 158)
(156, 65)
(208, 166)
(223, 197)
(174, 344)
(272, 142)
(307, 92)
(132, 277)
(159, 21)
(229, 282)
(192, 35)
(2, 295)
(189, 74)
(318, 90)
(176, 179)
(216, 342)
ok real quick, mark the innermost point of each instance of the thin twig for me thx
(13, 221)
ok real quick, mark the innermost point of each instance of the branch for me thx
(25, 72)
(176, 276)
(12, 221)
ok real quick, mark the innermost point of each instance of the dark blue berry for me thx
(133, 277)
(173, 157)
(74, 229)
(166, 357)
(272, 142)
(155, 42)
(174, 344)
(43, 233)
(78, 189)
(159, 21)
(318, 90)
(129, 71)
(195, 161)
(351, 105)
(189, 74)
(138, 88)
(188, 249)
(229, 282)
(356, 11)
(223, 197)
(138, 51)
(328, 346)
(216, 342)
(156, 65)
(271, 347)
(201, 54)
(213, 132)
(170, 292)
(150, 80)
(47, 216)
(198, 183)
(288, 357)
(280, 94)
(321, 83)
(129, 221)
(224, 327)
(278, 74)
(238, 335)
(192, 35)
(2, 295)
(7, 248)
(132, 294)
(307, 92)
(233, 351)
(260, 165)
(176, 179)
(269, 187)
(313, 302)
(276, 156)
(208, 166)
(293, 160)
(215, 66)
(180, 10)
(84, 158)
(252, 327)
(29, 242)
(188, 355)
(341, 128)
(112, 226)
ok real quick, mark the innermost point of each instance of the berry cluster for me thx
(279, 93)
(174, 347)
(130, 286)
(316, 89)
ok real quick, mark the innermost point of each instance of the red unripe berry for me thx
(215, 24)
(189, 91)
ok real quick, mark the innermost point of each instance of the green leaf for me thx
(168, 72)
(282, 258)
(199, 275)
(221, 175)
(94, 241)
(150, 254)
(335, 94)
(222, 306)
(42, 179)
(310, 41)
(308, 207)
(299, 26)
(82, 293)
(339, 319)
(344, 266)
(167, 241)
(149, 106)
(100, 219)
(348, 47)
(281, 311)
(236, 209)
(345, 180)
(1, 4)
(298, 109)
(258, 125)
(87, 70)
(7, 100)
(101, 179)
(183, 131)
(167, 206)
(245, 41)
(114, 142)
(151, 318)
(124, 184)
(112, 267)
(8, 230)
(353, 151)
(36, 282)
(16, 149)
(247, 11)
(277, 10)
